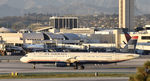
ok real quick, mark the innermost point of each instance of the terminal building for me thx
(24, 37)
(99, 38)
(64, 22)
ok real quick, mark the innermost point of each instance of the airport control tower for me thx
(126, 14)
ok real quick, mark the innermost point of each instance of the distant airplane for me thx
(34, 46)
(78, 59)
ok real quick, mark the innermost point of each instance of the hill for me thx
(20, 7)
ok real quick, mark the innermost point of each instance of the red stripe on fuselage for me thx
(43, 60)
(135, 37)
(79, 61)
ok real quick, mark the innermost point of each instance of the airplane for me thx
(34, 46)
(78, 59)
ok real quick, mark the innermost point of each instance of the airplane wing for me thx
(72, 60)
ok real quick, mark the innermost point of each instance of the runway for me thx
(73, 79)
(123, 67)
(27, 68)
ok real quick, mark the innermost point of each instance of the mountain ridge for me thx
(77, 7)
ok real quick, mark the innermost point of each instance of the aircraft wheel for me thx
(34, 66)
(76, 66)
(82, 67)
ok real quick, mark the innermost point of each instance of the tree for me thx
(142, 73)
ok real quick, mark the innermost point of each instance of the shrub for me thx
(147, 64)
(142, 73)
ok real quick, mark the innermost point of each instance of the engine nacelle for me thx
(61, 64)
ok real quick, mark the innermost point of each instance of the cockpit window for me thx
(26, 55)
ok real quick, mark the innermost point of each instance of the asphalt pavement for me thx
(123, 67)
(73, 79)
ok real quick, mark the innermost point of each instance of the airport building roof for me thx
(33, 36)
(69, 17)
(71, 36)
(53, 36)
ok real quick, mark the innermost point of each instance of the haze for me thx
(79, 7)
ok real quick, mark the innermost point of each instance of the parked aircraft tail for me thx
(128, 37)
(131, 45)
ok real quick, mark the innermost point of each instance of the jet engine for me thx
(62, 64)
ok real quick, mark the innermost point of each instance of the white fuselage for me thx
(80, 57)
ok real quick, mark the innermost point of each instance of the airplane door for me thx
(116, 56)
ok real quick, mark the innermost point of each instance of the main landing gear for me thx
(79, 66)
(34, 66)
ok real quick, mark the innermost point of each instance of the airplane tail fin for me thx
(131, 45)
(128, 37)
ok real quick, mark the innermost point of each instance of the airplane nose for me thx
(22, 59)
(137, 55)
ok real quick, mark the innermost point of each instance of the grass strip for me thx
(64, 75)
